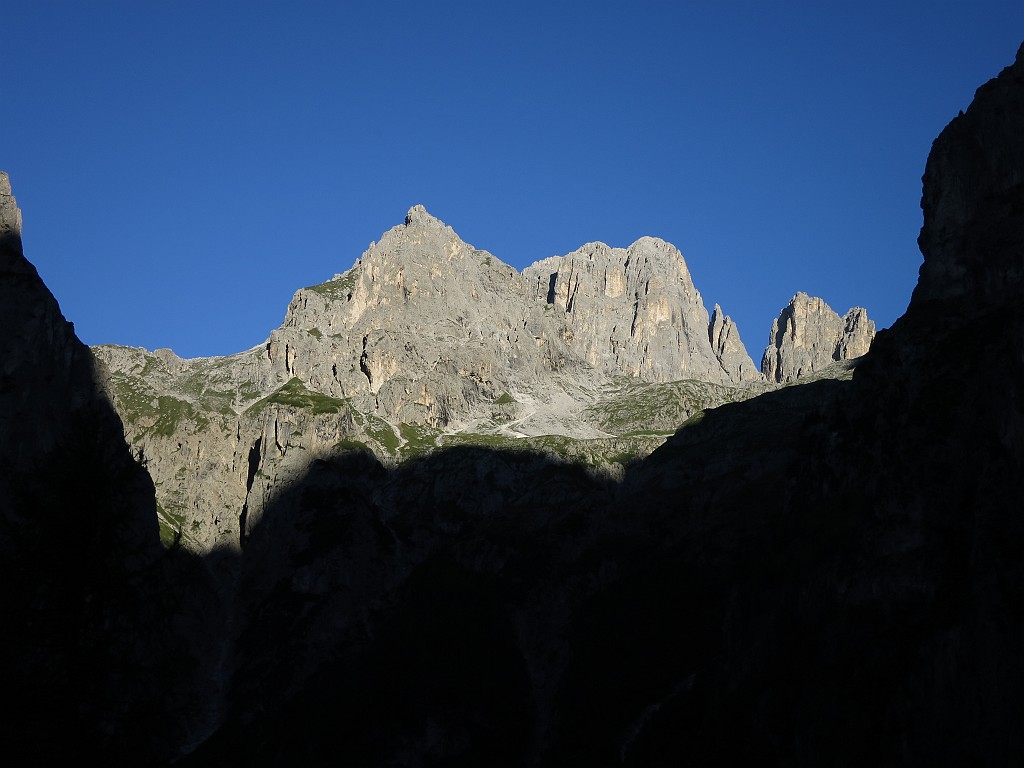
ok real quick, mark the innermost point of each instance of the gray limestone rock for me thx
(808, 335)
(729, 349)
(858, 333)
(192, 424)
(423, 329)
(10, 217)
(634, 311)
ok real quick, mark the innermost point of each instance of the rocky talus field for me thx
(453, 514)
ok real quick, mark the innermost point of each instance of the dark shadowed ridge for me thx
(93, 648)
(826, 574)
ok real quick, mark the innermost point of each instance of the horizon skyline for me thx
(183, 170)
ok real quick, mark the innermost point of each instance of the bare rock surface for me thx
(10, 216)
(423, 329)
(808, 335)
(729, 349)
(635, 311)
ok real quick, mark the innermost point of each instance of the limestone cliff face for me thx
(10, 217)
(729, 349)
(808, 335)
(423, 329)
(218, 436)
(635, 311)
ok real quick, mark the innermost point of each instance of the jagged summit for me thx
(728, 347)
(808, 335)
(631, 310)
(10, 216)
(419, 216)
(420, 242)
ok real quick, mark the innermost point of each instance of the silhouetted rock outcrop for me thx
(94, 658)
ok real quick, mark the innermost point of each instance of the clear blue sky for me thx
(184, 167)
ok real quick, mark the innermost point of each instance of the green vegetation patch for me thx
(336, 290)
(348, 445)
(653, 409)
(151, 366)
(505, 399)
(171, 526)
(171, 412)
(694, 420)
(249, 394)
(218, 401)
(419, 438)
(382, 432)
(553, 445)
(315, 333)
(597, 452)
(133, 397)
(504, 442)
(295, 395)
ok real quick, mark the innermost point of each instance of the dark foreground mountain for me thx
(94, 649)
(824, 574)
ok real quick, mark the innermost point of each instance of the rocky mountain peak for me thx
(655, 249)
(426, 336)
(418, 216)
(729, 349)
(633, 311)
(10, 217)
(420, 241)
(809, 335)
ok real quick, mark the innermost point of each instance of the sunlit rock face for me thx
(635, 311)
(427, 329)
(10, 218)
(825, 569)
(424, 328)
(808, 335)
(729, 349)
